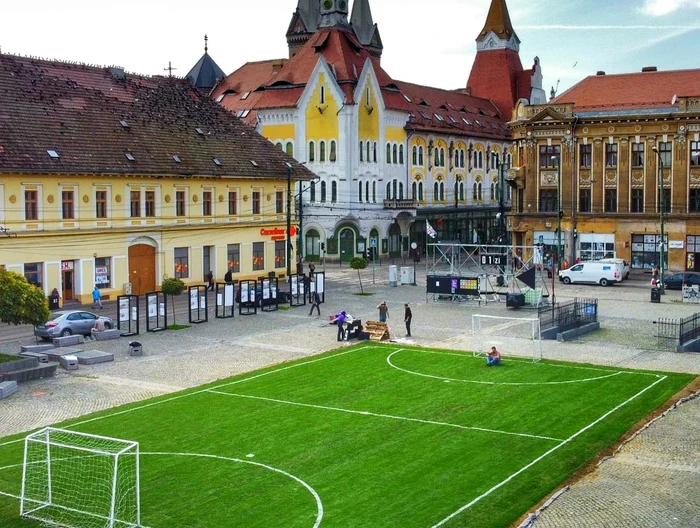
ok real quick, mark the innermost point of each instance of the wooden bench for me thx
(377, 331)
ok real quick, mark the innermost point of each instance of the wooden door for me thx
(142, 269)
(67, 285)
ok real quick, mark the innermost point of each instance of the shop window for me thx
(182, 263)
(102, 273)
(280, 254)
(233, 255)
(258, 256)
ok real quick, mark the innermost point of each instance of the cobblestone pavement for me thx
(651, 482)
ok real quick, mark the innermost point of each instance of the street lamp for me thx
(289, 219)
(661, 217)
(301, 215)
(559, 214)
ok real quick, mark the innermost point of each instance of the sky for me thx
(430, 43)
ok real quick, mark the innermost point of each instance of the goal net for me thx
(510, 335)
(80, 480)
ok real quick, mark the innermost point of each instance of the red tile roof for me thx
(78, 111)
(631, 90)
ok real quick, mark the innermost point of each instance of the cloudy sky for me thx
(429, 43)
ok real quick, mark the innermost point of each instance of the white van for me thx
(623, 266)
(603, 273)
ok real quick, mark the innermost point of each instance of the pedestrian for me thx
(96, 300)
(654, 274)
(54, 300)
(316, 303)
(228, 276)
(383, 312)
(407, 316)
(312, 270)
(493, 357)
(210, 280)
(340, 321)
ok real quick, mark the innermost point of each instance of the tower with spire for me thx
(365, 29)
(497, 73)
(303, 24)
(206, 73)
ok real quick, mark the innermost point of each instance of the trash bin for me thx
(656, 295)
(135, 348)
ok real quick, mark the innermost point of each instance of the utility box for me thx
(393, 278)
(407, 275)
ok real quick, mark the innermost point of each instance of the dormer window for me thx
(52, 154)
(245, 96)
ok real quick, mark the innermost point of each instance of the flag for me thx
(429, 229)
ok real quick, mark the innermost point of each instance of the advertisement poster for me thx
(319, 283)
(295, 286)
(193, 299)
(152, 306)
(162, 309)
(202, 301)
(266, 289)
(228, 295)
(134, 313)
(123, 309)
(102, 275)
(244, 292)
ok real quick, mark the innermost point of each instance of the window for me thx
(280, 256)
(359, 192)
(436, 161)
(638, 154)
(289, 149)
(442, 157)
(312, 152)
(400, 154)
(258, 256)
(694, 205)
(585, 156)
(665, 153)
(31, 205)
(442, 191)
(206, 203)
(549, 156)
(33, 273)
(645, 251)
(695, 153)
(394, 156)
(150, 204)
(135, 204)
(68, 204)
(414, 190)
(323, 191)
(233, 256)
(182, 266)
(461, 158)
(584, 200)
(374, 154)
(100, 204)
(367, 191)
(362, 151)
(367, 99)
(637, 205)
(334, 191)
(333, 154)
(666, 200)
(461, 191)
(388, 153)
(420, 156)
(233, 203)
(256, 202)
(374, 192)
(414, 155)
(322, 151)
(367, 151)
(436, 192)
(611, 154)
(180, 209)
(102, 273)
(611, 200)
(548, 200)
(279, 145)
(279, 202)
(388, 191)
(322, 97)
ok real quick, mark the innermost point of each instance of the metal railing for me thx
(568, 315)
(673, 332)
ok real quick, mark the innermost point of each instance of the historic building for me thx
(387, 154)
(117, 180)
(598, 150)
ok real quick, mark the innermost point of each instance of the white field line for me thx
(380, 415)
(544, 455)
(388, 360)
(10, 495)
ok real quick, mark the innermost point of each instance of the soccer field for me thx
(374, 436)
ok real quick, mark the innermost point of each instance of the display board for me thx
(198, 304)
(128, 314)
(156, 312)
(225, 304)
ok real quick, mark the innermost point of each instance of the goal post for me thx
(511, 335)
(79, 480)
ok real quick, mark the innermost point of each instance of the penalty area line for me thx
(544, 455)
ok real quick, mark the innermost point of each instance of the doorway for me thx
(347, 244)
(142, 269)
(67, 280)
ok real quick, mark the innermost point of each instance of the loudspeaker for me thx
(515, 300)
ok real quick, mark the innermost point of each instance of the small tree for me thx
(21, 302)
(172, 287)
(358, 263)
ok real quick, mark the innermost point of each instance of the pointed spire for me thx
(303, 24)
(334, 13)
(361, 21)
(206, 73)
(498, 21)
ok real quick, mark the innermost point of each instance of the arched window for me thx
(394, 194)
(323, 191)
(334, 191)
(359, 191)
(400, 154)
(461, 158)
(279, 145)
(312, 151)
(442, 157)
(388, 191)
(312, 193)
(400, 190)
(420, 156)
(414, 189)
(393, 159)
(367, 147)
(493, 192)
(414, 154)
(362, 151)
(461, 191)
(333, 153)
(367, 100)
(420, 191)
(374, 157)
(313, 243)
(456, 161)
(456, 192)
(374, 192)
(479, 197)
(388, 153)
(322, 151)
(436, 192)
(289, 149)
(442, 192)
(474, 195)
(481, 160)
(367, 192)
(437, 157)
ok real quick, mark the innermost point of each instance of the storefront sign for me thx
(278, 233)
(675, 244)
(67, 265)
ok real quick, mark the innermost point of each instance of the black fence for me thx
(568, 315)
(689, 329)
(672, 332)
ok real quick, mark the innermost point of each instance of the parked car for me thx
(677, 280)
(70, 322)
(592, 273)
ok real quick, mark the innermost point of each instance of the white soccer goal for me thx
(80, 480)
(510, 335)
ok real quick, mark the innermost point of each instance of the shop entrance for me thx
(67, 280)
(142, 269)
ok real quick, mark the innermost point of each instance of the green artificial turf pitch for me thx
(368, 436)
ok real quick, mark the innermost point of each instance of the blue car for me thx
(677, 280)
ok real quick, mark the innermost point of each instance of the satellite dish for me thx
(674, 99)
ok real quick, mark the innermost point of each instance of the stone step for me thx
(21, 363)
(68, 340)
(44, 370)
(55, 354)
(7, 388)
(37, 348)
(92, 357)
(40, 357)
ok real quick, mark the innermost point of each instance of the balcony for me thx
(406, 203)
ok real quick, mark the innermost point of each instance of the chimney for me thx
(277, 65)
(118, 73)
(649, 69)
(600, 72)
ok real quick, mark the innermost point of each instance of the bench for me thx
(36, 348)
(91, 357)
(42, 358)
(105, 335)
(57, 353)
(68, 340)
(7, 388)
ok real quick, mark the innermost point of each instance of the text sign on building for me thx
(278, 233)
(67, 265)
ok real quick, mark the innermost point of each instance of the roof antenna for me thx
(206, 47)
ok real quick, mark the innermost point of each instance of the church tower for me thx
(303, 24)
(334, 13)
(365, 29)
(497, 73)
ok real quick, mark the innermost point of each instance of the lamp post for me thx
(559, 214)
(301, 216)
(289, 220)
(662, 203)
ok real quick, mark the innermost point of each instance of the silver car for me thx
(69, 322)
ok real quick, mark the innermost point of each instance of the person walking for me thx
(316, 303)
(654, 275)
(96, 301)
(228, 276)
(210, 280)
(407, 316)
(383, 312)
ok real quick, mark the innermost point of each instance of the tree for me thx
(21, 302)
(172, 287)
(358, 263)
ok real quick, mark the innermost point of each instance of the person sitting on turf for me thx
(493, 357)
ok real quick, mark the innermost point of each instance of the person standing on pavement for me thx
(316, 303)
(96, 300)
(407, 316)
(383, 312)
(210, 280)
(228, 276)
(654, 275)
